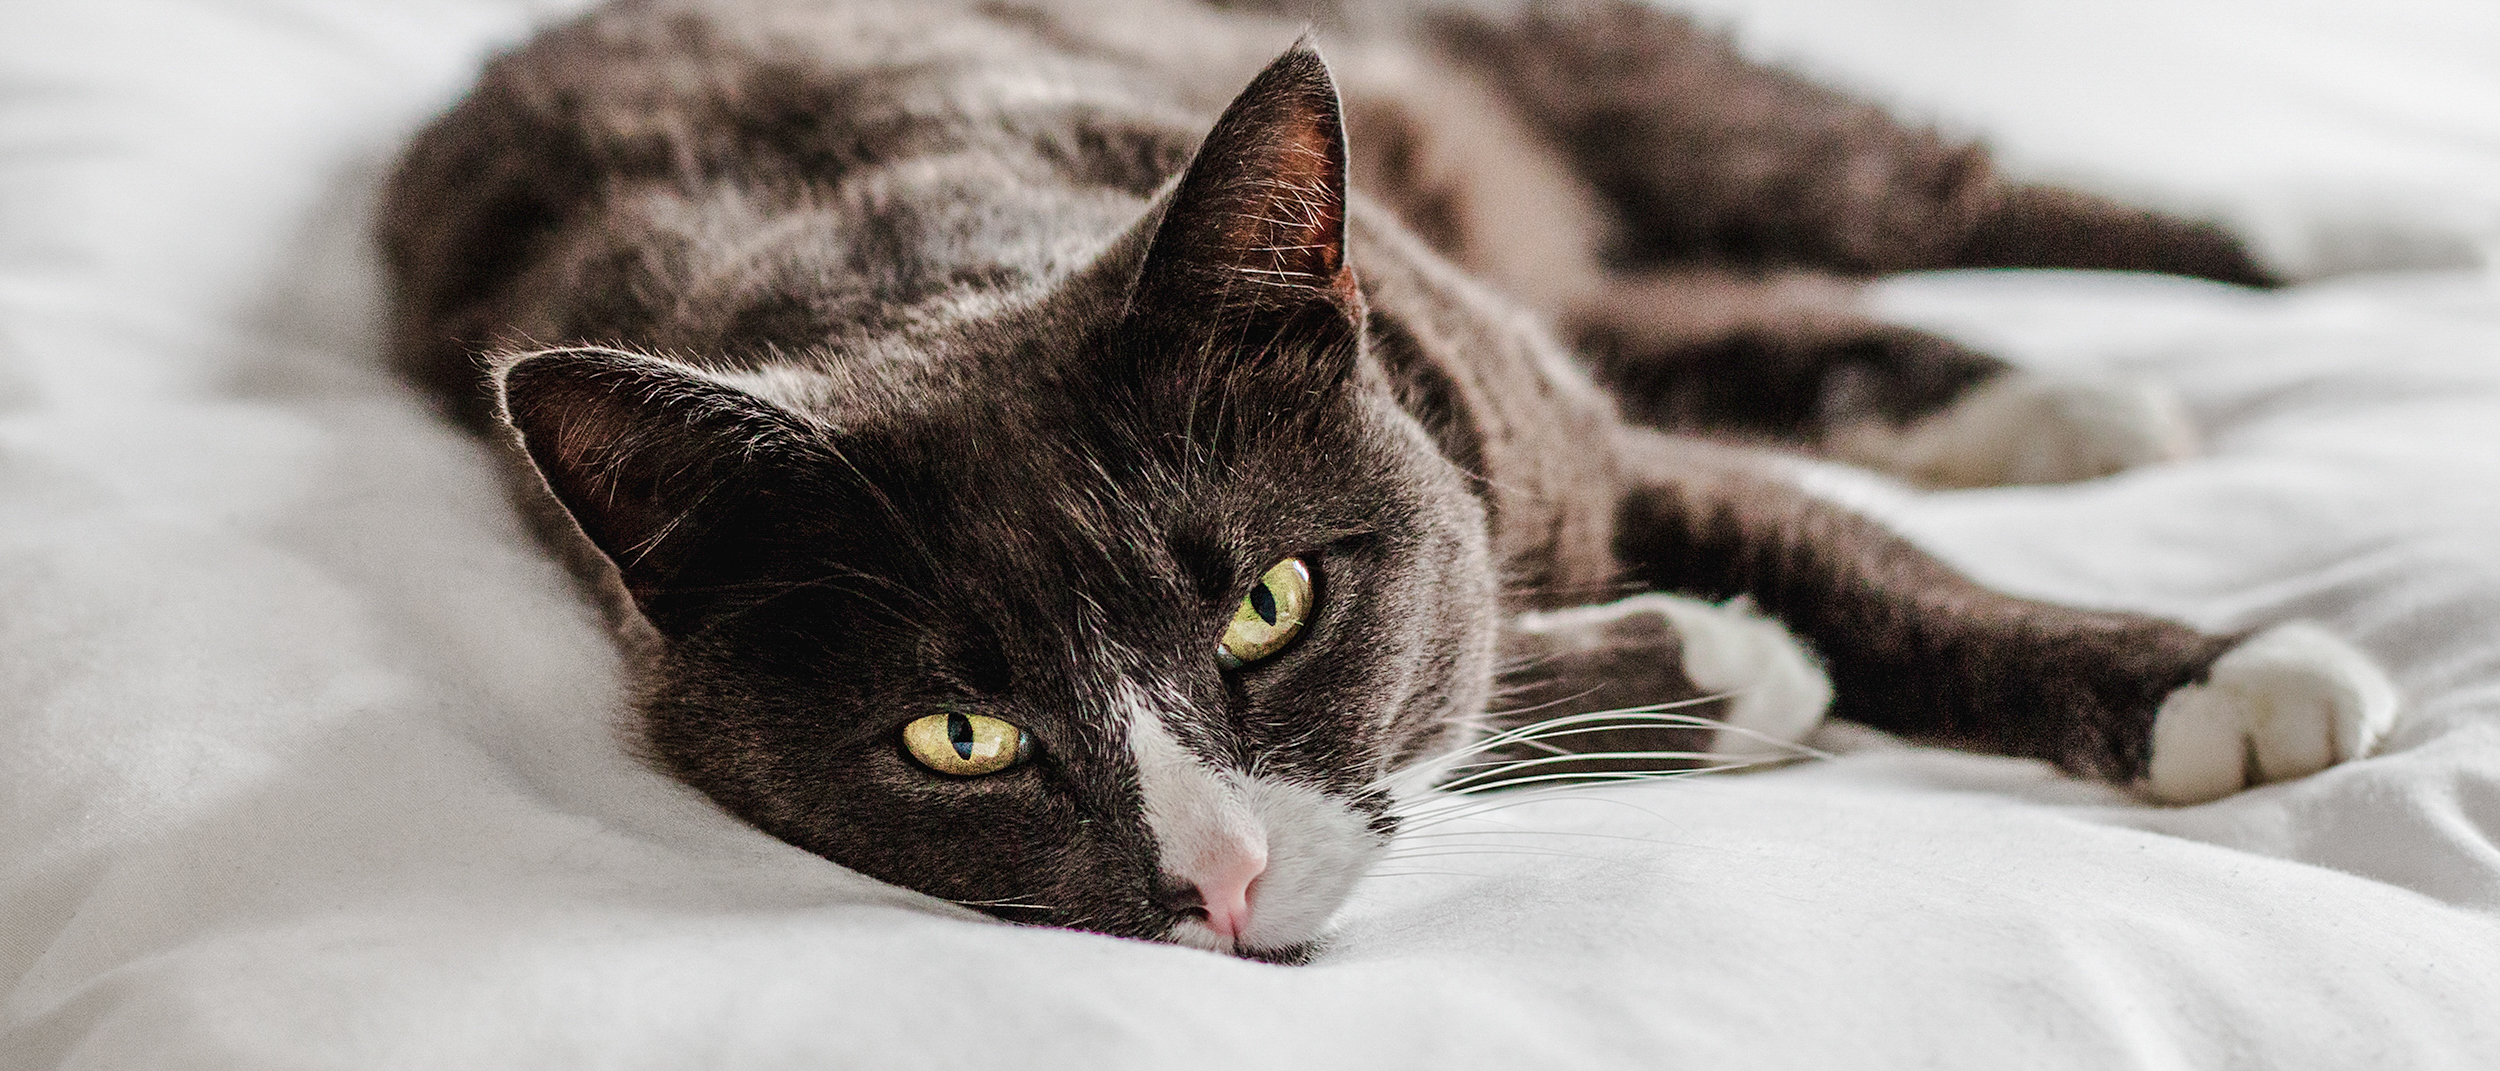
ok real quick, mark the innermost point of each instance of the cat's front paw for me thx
(2291, 700)
(2023, 428)
(1777, 691)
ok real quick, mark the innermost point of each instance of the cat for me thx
(1077, 462)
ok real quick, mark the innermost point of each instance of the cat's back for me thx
(817, 90)
(743, 177)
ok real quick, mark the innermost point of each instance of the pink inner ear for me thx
(1295, 221)
(1261, 213)
(628, 444)
(575, 416)
(586, 433)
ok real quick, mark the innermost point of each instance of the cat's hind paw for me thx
(2290, 701)
(2026, 428)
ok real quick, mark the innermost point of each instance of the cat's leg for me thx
(1707, 158)
(1916, 648)
(1654, 681)
(1784, 356)
(1791, 359)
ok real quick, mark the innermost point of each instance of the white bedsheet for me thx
(307, 756)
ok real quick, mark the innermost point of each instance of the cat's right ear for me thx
(1252, 238)
(645, 454)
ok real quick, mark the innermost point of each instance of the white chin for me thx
(1196, 934)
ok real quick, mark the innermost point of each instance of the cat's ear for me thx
(1255, 230)
(647, 455)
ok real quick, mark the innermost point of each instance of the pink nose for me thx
(1223, 880)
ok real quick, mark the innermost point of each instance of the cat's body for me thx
(876, 348)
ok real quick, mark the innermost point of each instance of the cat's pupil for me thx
(1263, 602)
(959, 733)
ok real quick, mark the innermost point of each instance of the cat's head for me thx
(1107, 607)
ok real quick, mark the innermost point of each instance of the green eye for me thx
(966, 745)
(1270, 616)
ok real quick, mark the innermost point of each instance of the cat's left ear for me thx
(661, 466)
(1254, 235)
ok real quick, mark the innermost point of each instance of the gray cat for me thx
(1020, 482)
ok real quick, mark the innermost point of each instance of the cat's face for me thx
(1107, 608)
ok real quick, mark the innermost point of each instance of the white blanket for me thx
(308, 756)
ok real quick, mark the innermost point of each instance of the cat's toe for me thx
(1777, 689)
(2289, 701)
(2024, 428)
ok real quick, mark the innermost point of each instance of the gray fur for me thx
(880, 360)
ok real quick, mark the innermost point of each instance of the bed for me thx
(308, 754)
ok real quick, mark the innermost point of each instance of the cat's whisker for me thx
(1424, 873)
(1452, 807)
(1492, 774)
(1463, 808)
(1656, 715)
(1523, 797)
(1562, 755)
(1540, 732)
(1492, 715)
(1652, 716)
(1510, 673)
(1569, 594)
(1476, 853)
(1592, 777)
(1652, 711)
(1494, 770)
(1655, 765)
(1508, 736)
(1464, 841)
(1458, 834)
(1005, 902)
(1539, 739)
(1797, 748)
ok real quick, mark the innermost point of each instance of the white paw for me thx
(2022, 427)
(2292, 700)
(1778, 691)
(2317, 231)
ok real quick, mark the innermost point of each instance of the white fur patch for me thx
(2292, 700)
(1205, 818)
(1317, 848)
(2022, 427)
(1777, 690)
(1196, 816)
